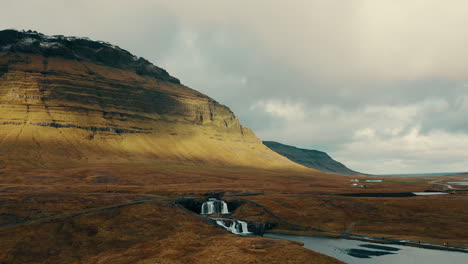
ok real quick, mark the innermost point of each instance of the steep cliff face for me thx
(66, 99)
(311, 158)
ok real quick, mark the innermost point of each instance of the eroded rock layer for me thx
(68, 99)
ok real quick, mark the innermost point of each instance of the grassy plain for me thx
(41, 219)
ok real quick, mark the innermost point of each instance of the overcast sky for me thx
(380, 85)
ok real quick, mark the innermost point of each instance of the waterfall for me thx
(244, 227)
(214, 206)
(221, 223)
(234, 226)
(208, 208)
(225, 208)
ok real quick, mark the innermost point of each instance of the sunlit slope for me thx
(58, 111)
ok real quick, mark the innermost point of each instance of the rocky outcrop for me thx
(66, 99)
(75, 48)
(311, 158)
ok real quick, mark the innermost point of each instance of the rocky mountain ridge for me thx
(77, 48)
(311, 158)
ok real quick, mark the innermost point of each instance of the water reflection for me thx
(358, 252)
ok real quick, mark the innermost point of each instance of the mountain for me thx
(311, 158)
(69, 100)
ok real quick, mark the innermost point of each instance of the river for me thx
(359, 252)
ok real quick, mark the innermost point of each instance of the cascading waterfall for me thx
(225, 208)
(208, 208)
(214, 206)
(234, 226)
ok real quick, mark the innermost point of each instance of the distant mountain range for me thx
(310, 158)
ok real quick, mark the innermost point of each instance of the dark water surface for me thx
(359, 252)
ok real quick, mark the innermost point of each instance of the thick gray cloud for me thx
(380, 85)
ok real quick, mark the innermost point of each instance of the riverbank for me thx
(380, 240)
(330, 234)
(358, 252)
